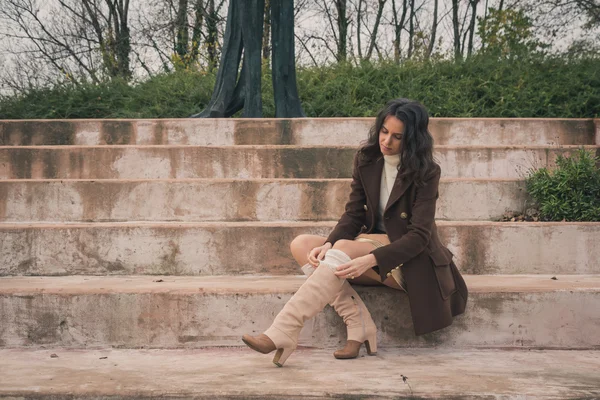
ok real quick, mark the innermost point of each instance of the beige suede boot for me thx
(314, 294)
(360, 326)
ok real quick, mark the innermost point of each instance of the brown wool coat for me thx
(436, 290)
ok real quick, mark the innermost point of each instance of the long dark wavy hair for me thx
(416, 147)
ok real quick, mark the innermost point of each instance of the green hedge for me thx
(571, 191)
(478, 87)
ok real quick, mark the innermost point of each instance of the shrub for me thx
(569, 192)
(481, 86)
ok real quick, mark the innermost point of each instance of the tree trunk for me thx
(473, 4)
(197, 30)
(266, 47)
(181, 27)
(433, 30)
(118, 11)
(358, 23)
(251, 19)
(342, 23)
(457, 52)
(212, 19)
(411, 29)
(376, 27)
(287, 101)
(398, 26)
(225, 85)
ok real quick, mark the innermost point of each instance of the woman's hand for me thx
(356, 267)
(318, 253)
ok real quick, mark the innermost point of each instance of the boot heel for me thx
(281, 356)
(371, 345)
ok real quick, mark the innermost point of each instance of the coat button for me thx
(364, 227)
(366, 208)
(403, 215)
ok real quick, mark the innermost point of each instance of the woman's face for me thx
(390, 136)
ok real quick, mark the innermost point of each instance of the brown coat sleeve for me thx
(420, 225)
(354, 216)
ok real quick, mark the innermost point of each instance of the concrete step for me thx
(171, 312)
(301, 131)
(233, 248)
(246, 162)
(194, 200)
(236, 373)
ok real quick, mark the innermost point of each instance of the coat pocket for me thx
(443, 273)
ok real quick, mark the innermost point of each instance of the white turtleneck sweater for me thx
(388, 177)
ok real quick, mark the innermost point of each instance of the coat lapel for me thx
(400, 186)
(371, 177)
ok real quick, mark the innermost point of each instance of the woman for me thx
(386, 236)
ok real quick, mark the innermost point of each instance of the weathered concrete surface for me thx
(138, 311)
(302, 131)
(239, 373)
(194, 200)
(246, 162)
(228, 248)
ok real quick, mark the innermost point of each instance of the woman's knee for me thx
(344, 245)
(302, 244)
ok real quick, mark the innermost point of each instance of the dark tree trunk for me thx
(473, 4)
(225, 85)
(398, 26)
(287, 101)
(181, 42)
(343, 23)
(244, 33)
(251, 20)
(455, 23)
(197, 30)
(380, 7)
(433, 30)
(211, 33)
(266, 52)
(411, 29)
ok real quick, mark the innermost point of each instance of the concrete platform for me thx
(239, 373)
(196, 200)
(172, 312)
(248, 162)
(300, 131)
(234, 248)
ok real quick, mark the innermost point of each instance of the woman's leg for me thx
(356, 249)
(303, 244)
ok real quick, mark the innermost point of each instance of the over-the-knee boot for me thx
(314, 294)
(359, 324)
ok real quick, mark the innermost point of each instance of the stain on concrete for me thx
(24, 267)
(31, 133)
(50, 164)
(256, 132)
(91, 253)
(117, 132)
(169, 264)
(43, 329)
(575, 132)
(188, 339)
(160, 133)
(244, 196)
(287, 131)
(21, 161)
